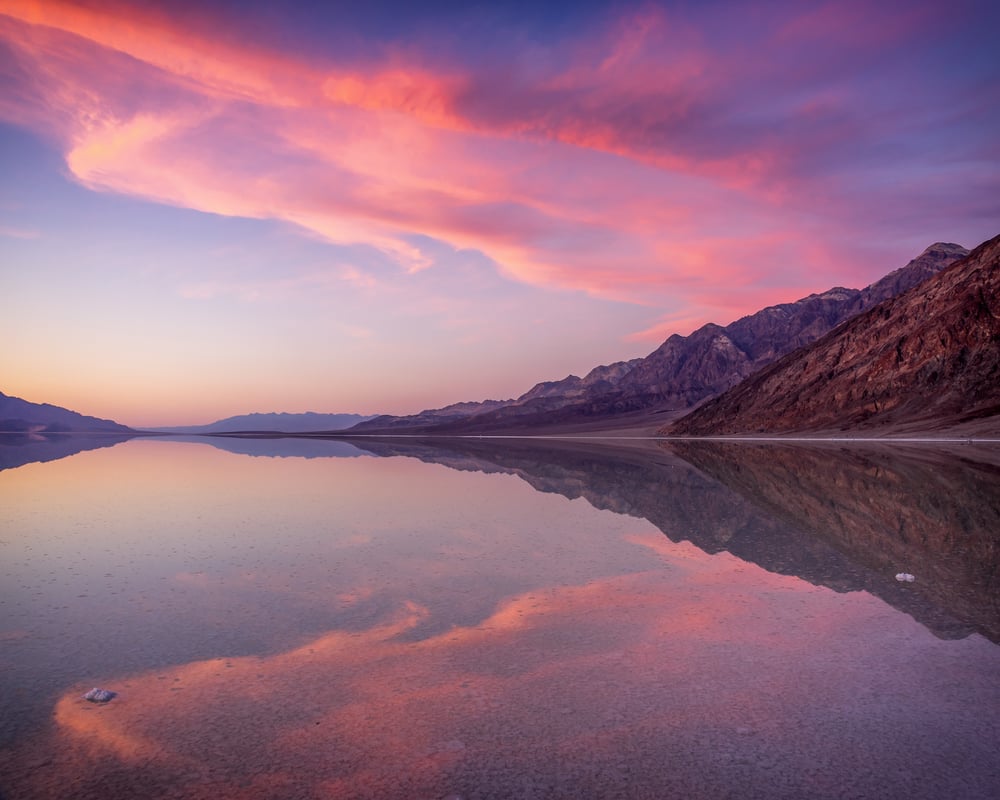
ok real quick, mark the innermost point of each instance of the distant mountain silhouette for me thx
(274, 422)
(680, 374)
(428, 419)
(22, 416)
(928, 359)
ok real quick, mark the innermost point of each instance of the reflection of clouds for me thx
(493, 639)
(630, 681)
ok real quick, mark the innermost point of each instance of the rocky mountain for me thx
(431, 418)
(274, 422)
(22, 416)
(926, 359)
(683, 372)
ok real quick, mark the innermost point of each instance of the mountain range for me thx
(926, 359)
(22, 416)
(273, 422)
(679, 375)
(917, 351)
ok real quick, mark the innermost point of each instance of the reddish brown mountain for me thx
(926, 360)
(681, 373)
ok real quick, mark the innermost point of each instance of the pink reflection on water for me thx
(494, 641)
(630, 681)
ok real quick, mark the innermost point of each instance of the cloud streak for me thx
(648, 158)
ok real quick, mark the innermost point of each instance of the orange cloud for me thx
(613, 167)
(373, 139)
(150, 36)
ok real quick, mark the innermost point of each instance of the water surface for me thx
(486, 618)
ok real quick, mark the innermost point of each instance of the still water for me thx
(288, 618)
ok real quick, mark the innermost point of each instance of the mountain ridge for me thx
(928, 358)
(23, 416)
(272, 421)
(682, 372)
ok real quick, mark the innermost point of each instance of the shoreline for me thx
(609, 436)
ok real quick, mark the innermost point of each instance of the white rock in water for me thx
(96, 695)
(905, 576)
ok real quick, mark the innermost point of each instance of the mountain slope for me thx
(284, 422)
(683, 372)
(17, 415)
(927, 359)
(431, 418)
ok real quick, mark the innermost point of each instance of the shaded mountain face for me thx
(928, 359)
(22, 416)
(845, 518)
(683, 372)
(282, 422)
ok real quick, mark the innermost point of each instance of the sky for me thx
(214, 208)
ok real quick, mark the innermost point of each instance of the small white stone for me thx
(96, 695)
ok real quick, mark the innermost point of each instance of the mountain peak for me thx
(284, 421)
(684, 370)
(945, 247)
(926, 358)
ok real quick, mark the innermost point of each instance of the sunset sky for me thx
(212, 208)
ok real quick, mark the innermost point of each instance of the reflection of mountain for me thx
(22, 448)
(935, 516)
(274, 445)
(17, 449)
(927, 513)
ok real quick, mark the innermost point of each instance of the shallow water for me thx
(486, 618)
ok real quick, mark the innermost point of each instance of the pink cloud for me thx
(19, 233)
(635, 163)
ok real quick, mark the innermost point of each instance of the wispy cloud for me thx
(19, 233)
(643, 161)
(279, 288)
